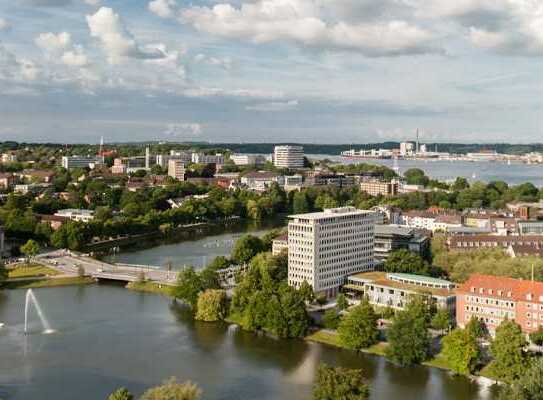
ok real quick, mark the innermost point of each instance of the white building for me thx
(9, 157)
(326, 247)
(260, 180)
(248, 159)
(71, 162)
(288, 157)
(176, 169)
(186, 156)
(75, 214)
(407, 148)
(201, 158)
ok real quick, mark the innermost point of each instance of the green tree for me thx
(339, 384)
(405, 261)
(529, 386)
(441, 320)
(300, 203)
(30, 249)
(246, 248)
(172, 390)
(341, 302)
(189, 285)
(331, 319)
(476, 328)
(211, 305)
(358, 329)
(408, 336)
(537, 336)
(121, 394)
(507, 349)
(416, 176)
(3, 273)
(461, 350)
(306, 291)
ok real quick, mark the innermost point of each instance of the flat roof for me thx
(332, 212)
(393, 230)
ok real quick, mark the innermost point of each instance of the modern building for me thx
(280, 244)
(259, 180)
(176, 169)
(491, 299)
(71, 162)
(530, 228)
(407, 148)
(326, 247)
(202, 158)
(248, 159)
(389, 238)
(380, 188)
(395, 290)
(291, 157)
(75, 214)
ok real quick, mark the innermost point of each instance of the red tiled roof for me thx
(518, 288)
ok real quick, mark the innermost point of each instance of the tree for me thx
(408, 336)
(537, 336)
(246, 248)
(507, 349)
(529, 386)
(121, 394)
(211, 305)
(416, 176)
(341, 302)
(358, 329)
(405, 261)
(30, 249)
(441, 320)
(300, 203)
(339, 384)
(331, 319)
(3, 273)
(172, 390)
(306, 291)
(476, 328)
(461, 350)
(189, 285)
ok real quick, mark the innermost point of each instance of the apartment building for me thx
(72, 162)
(288, 157)
(326, 247)
(491, 299)
(76, 214)
(395, 290)
(530, 228)
(389, 238)
(7, 180)
(248, 159)
(376, 187)
(201, 158)
(475, 242)
(176, 169)
(280, 244)
(260, 180)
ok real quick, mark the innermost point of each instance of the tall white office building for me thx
(326, 247)
(288, 156)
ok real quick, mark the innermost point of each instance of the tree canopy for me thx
(339, 384)
(358, 329)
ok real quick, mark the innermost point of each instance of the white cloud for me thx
(163, 8)
(222, 62)
(171, 59)
(75, 57)
(117, 41)
(4, 25)
(61, 49)
(303, 22)
(274, 106)
(13, 68)
(93, 2)
(183, 129)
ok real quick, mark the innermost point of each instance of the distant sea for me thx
(485, 171)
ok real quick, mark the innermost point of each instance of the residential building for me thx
(395, 290)
(37, 175)
(291, 157)
(491, 299)
(54, 221)
(75, 214)
(176, 169)
(280, 244)
(259, 180)
(419, 219)
(248, 159)
(8, 158)
(7, 180)
(293, 182)
(71, 162)
(380, 188)
(329, 179)
(326, 247)
(202, 158)
(389, 238)
(530, 228)
(32, 188)
(475, 242)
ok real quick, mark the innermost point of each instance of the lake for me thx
(108, 336)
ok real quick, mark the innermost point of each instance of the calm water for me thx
(449, 170)
(197, 252)
(108, 336)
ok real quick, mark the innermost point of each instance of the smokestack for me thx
(147, 155)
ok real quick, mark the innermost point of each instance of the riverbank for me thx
(150, 287)
(41, 282)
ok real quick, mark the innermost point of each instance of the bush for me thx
(331, 319)
(211, 305)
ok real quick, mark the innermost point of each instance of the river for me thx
(107, 336)
(485, 171)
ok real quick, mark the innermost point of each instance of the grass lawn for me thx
(332, 339)
(438, 362)
(50, 282)
(150, 287)
(30, 270)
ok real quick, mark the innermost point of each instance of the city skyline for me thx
(342, 71)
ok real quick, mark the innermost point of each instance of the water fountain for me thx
(31, 298)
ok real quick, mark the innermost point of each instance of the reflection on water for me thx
(109, 337)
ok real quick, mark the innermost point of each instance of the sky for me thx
(311, 71)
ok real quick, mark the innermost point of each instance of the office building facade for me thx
(288, 157)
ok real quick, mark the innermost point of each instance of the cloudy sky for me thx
(316, 71)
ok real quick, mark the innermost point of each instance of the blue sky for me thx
(317, 71)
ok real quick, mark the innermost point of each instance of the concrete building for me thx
(288, 157)
(75, 214)
(389, 238)
(7, 180)
(201, 158)
(71, 162)
(395, 290)
(530, 227)
(176, 169)
(407, 148)
(380, 188)
(280, 244)
(8, 158)
(260, 180)
(491, 299)
(293, 182)
(248, 159)
(326, 247)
